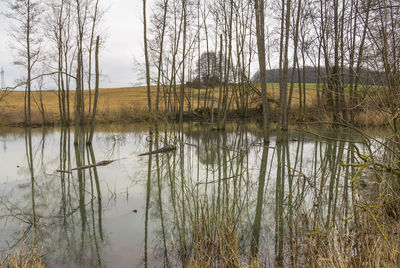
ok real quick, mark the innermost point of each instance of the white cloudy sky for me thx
(123, 47)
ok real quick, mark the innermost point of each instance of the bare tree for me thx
(39, 100)
(146, 55)
(26, 15)
(58, 27)
(95, 17)
(354, 71)
(79, 95)
(159, 49)
(384, 34)
(284, 65)
(295, 56)
(259, 9)
(96, 94)
(182, 91)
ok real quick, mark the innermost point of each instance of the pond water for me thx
(217, 188)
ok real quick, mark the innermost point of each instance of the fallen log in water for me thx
(165, 149)
(101, 163)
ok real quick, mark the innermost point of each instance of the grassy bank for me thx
(114, 104)
(129, 104)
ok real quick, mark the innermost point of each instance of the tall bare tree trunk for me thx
(220, 84)
(90, 51)
(160, 58)
(284, 70)
(78, 100)
(259, 9)
(353, 99)
(342, 100)
(29, 69)
(146, 56)
(295, 57)
(96, 93)
(335, 71)
(182, 93)
(198, 54)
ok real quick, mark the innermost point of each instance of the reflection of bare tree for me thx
(159, 170)
(29, 158)
(218, 210)
(95, 177)
(113, 142)
(148, 189)
(207, 142)
(54, 224)
(203, 206)
(259, 206)
(29, 218)
(281, 145)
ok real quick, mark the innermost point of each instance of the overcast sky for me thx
(123, 47)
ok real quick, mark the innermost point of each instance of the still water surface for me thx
(155, 210)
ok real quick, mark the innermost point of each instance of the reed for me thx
(28, 257)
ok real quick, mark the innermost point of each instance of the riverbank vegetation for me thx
(129, 105)
(229, 198)
(125, 105)
(28, 257)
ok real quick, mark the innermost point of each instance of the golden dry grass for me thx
(366, 247)
(123, 104)
(110, 101)
(23, 259)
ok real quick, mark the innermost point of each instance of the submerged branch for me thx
(101, 163)
(165, 149)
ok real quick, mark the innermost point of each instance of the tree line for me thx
(59, 40)
(310, 75)
(202, 55)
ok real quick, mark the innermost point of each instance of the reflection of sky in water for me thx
(123, 188)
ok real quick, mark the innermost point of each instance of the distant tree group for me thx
(309, 74)
(206, 71)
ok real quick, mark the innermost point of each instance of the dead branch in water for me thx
(165, 149)
(101, 163)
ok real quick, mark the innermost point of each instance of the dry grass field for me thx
(119, 104)
(112, 102)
